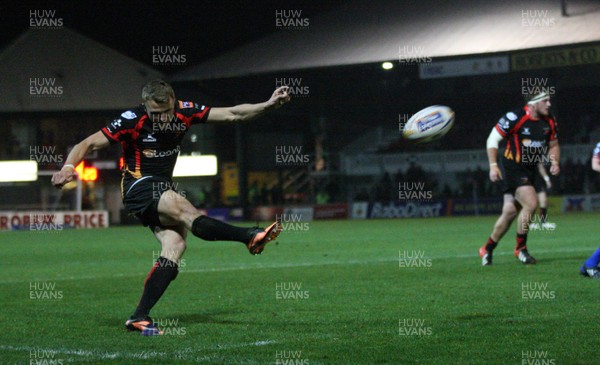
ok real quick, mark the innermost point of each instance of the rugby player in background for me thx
(530, 134)
(151, 135)
(590, 266)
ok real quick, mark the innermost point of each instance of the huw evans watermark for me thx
(290, 358)
(45, 155)
(413, 258)
(413, 191)
(181, 264)
(403, 119)
(414, 327)
(46, 87)
(292, 222)
(536, 85)
(291, 156)
(167, 188)
(290, 290)
(170, 326)
(536, 358)
(296, 86)
(168, 56)
(44, 19)
(44, 290)
(412, 54)
(44, 223)
(44, 357)
(291, 20)
(537, 18)
(537, 291)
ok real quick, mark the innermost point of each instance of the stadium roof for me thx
(365, 31)
(68, 72)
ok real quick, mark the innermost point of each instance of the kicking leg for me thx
(175, 209)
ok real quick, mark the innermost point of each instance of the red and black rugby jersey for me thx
(151, 147)
(527, 139)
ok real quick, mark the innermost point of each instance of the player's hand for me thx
(548, 184)
(495, 174)
(279, 97)
(64, 176)
(555, 170)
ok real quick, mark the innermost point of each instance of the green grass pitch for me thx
(330, 292)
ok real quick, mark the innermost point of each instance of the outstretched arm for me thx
(94, 142)
(247, 112)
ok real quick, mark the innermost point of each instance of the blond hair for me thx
(158, 90)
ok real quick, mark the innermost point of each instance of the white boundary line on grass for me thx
(301, 264)
(142, 355)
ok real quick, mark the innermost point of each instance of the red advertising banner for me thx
(266, 213)
(331, 211)
(45, 221)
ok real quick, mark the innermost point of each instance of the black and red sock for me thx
(163, 272)
(490, 245)
(210, 229)
(521, 241)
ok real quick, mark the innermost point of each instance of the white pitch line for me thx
(300, 264)
(215, 269)
(240, 345)
(50, 354)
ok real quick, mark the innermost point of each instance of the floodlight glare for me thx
(24, 170)
(205, 165)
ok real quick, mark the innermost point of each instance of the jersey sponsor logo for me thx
(149, 138)
(533, 144)
(526, 131)
(511, 116)
(150, 153)
(128, 115)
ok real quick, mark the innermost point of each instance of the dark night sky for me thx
(202, 29)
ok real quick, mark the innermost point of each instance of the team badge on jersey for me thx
(186, 104)
(128, 115)
(512, 116)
